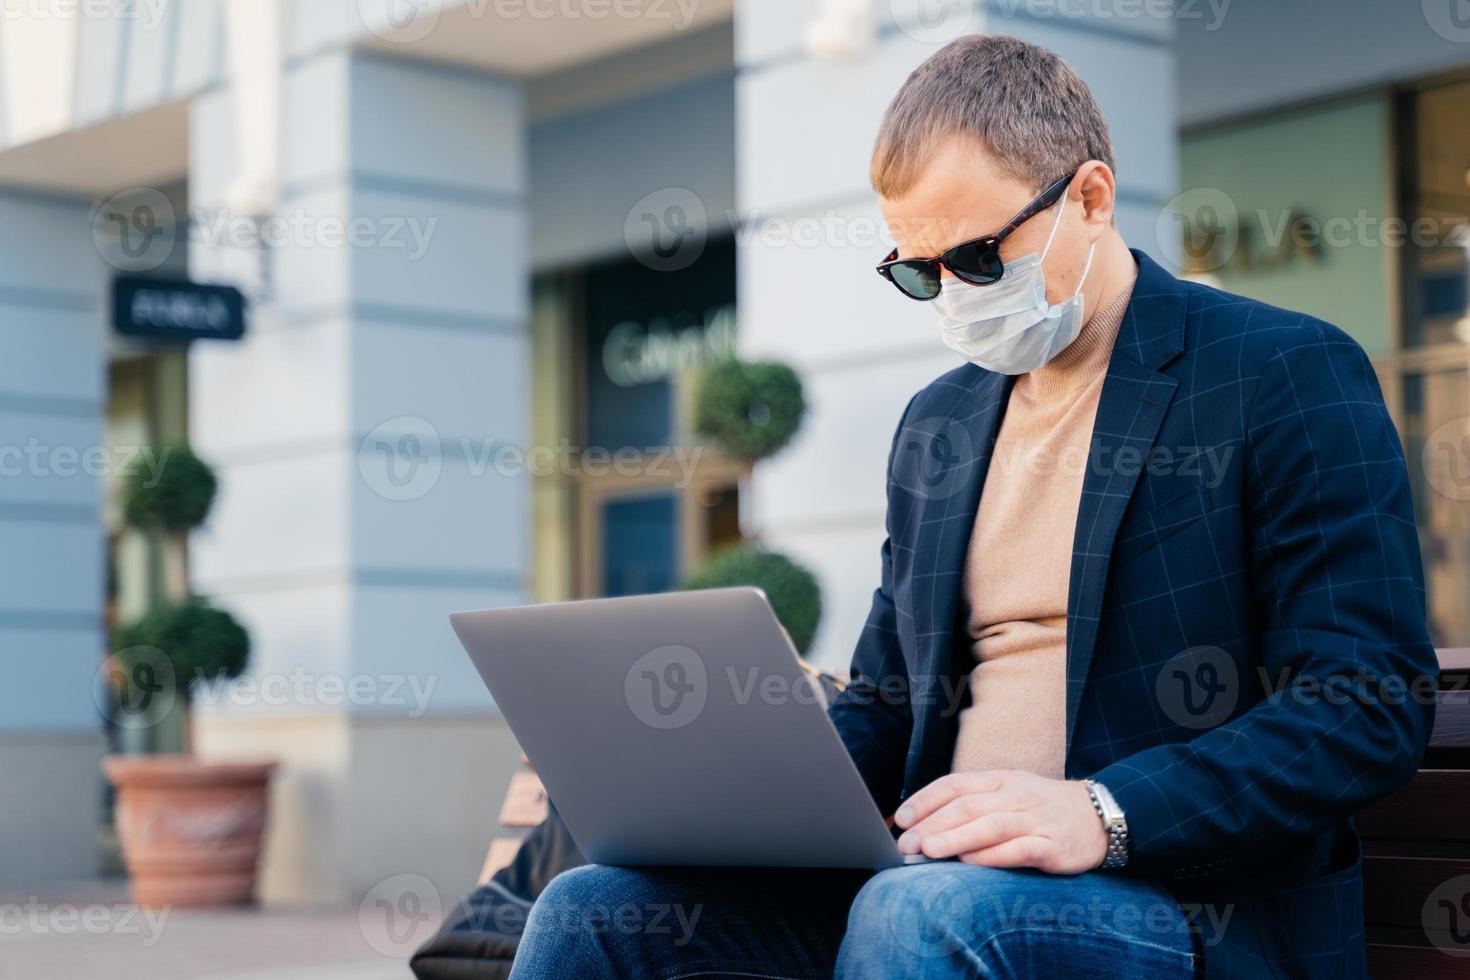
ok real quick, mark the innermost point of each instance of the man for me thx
(1150, 626)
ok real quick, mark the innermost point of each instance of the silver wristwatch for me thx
(1114, 822)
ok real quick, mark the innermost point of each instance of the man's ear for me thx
(1099, 195)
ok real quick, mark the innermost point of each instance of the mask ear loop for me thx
(1091, 251)
(1061, 210)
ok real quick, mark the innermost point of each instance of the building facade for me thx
(486, 248)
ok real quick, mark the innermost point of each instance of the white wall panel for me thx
(286, 384)
(45, 672)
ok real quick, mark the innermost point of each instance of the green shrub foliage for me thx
(177, 498)
(749, 410)
(200, 642)
(792, 590)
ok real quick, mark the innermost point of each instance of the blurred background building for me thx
(486, 247)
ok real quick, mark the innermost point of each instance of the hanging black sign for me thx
(176, 309)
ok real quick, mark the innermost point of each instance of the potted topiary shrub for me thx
(749, 410)
(791, 589)
(170, 504)
(191, 831)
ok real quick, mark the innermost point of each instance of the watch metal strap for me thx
(1114, 822)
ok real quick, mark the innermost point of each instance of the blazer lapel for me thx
(1135, 398)
(962, 432)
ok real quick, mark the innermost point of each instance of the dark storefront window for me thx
(619, 348)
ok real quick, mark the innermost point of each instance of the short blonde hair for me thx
(1025, 104)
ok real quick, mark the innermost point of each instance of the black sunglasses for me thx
(976, 262)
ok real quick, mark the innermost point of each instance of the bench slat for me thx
(525, 801)
(1395, 888)
(1454, 660)
(1451, 721)
(1387, 962)
(502, 852)
(1435, 805)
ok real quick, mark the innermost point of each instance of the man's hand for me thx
(1005, 820)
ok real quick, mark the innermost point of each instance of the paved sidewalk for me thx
(92, 932)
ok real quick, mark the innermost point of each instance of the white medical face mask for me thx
(1008, 327)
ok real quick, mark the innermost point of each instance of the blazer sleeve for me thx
(873, 714)
(1339, 604)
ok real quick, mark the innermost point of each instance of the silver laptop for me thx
(678, 729)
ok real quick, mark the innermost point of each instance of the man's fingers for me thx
(958, 811)
(1018, 852)
(988, 831)
(942, 791)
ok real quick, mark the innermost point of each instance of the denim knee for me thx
(906, 917)
(559, 940)
(951, 919)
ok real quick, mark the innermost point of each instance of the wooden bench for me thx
(1414, 842)
(525, 807)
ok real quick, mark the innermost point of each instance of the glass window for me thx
(638, 501)
(1440, 200)
(1436, 430)
(1431, 366)
(640, 548)
(644, 328)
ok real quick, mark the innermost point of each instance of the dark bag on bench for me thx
(479, 937)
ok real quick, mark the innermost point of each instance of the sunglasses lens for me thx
(978, 264)
(916, 279)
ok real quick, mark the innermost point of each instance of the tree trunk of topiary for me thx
(176, 732)
(745, 501)
(175, 546)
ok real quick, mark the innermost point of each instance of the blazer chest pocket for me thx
(1154, 527)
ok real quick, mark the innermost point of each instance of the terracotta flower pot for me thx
(190, 830)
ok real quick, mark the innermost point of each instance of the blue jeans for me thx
(924, 922)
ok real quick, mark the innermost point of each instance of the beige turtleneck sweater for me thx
(1020, 559)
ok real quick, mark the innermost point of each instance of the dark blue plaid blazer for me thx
(1247, 650)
